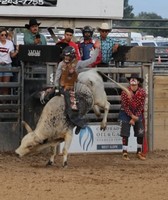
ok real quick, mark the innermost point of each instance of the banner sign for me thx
(92, 140)
(28, 2)
(64, 9)
(39, 53)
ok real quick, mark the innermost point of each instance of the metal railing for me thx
(10, 104)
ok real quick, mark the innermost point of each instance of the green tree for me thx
(127, 14)
(155, 27)
(128, 10)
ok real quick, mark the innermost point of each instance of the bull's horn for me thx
(27, 127)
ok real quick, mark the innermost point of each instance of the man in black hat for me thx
(32, 35)
(131, 114)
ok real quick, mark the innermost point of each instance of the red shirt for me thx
(135, 104)
(75, 46)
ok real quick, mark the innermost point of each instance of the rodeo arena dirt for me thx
(92, 176)
(88, 176)
(95, 174)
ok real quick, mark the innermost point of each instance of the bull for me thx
(53, 126)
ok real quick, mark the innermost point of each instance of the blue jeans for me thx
(7, 66)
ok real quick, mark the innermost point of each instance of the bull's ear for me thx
(27, 127)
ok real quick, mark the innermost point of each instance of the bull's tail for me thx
(102, 75)
(118, 84)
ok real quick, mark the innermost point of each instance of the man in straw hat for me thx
(108, 44)
(32, 35)
(131, 114)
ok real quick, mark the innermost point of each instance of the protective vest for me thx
(68, 76)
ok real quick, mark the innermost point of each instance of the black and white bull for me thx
(53, 126)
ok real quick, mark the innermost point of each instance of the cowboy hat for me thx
(104, 26)
(136, 76)
(32, 22)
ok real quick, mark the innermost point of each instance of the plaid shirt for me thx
(106, 49)
(135, 104)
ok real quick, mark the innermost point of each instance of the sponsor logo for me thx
(36, 53)
(141, 131)
(86, 138)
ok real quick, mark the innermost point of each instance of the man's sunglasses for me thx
(105, 31)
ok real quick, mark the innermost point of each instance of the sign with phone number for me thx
(28, 2)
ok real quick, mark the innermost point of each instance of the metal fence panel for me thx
(10, 112)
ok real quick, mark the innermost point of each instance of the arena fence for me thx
(37, 72)
(10, 111)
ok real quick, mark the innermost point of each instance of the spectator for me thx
(67, 41)
(108, 45)
(10, 35)
(6, 53)
(131, 114)
(32, 35)
(86, 46)
(15, 60)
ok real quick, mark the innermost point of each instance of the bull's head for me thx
(30, 142)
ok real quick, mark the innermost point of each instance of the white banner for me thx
(97, 9)
(92, 139)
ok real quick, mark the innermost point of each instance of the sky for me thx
(160, 7)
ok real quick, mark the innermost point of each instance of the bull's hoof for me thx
(49, 163)
(65, 164)
(98, 115)
(102, 128)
